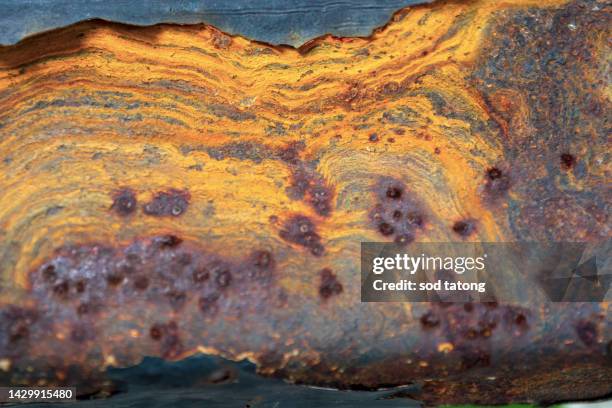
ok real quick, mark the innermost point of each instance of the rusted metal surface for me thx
(169, 190)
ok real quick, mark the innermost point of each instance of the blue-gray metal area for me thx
(290, 22)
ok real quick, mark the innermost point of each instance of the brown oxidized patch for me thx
(82, 279)
(469, 327)
(168, 203)
(305, 182)
(397, 213)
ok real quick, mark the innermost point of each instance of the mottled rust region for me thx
(173, 189)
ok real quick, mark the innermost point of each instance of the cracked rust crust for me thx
(172, 189)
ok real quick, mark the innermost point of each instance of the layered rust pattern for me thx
(173, 189)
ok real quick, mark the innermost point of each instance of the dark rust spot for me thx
(301, 231)
(263, 259)
(430, 320)
(124, 202)
(171, 203)
(492, 304)
(15, 325)
(464, 228)
(497, 183)
(494, 173)
(263, 264)
(115, 278)
(329, 285)
(568, 161)
(223, 278)
(291, 153)
(168, 335)
(587, 332)
(156, 332)
(386, 229)
(208, 303)
(49, 273)
(80, 286)
(415, 219)
(167, 241)
(200, 275)
(61, 289)
(141, 282)
(394, 192)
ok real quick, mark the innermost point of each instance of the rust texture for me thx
(173, 189)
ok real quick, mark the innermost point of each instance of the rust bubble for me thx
(394, 192)
(124, 202)
(171, 203)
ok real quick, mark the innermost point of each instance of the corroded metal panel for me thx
(173, 189)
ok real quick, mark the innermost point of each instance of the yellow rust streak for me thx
(195, 86)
